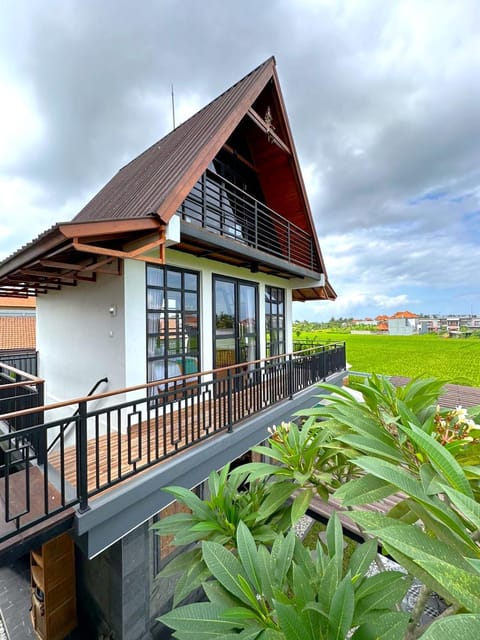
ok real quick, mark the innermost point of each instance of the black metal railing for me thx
(22, 359)
(20, 391)
(221, 207)
(117, 435)
(71, 420)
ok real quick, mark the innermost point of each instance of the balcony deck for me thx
(115, 437)
(116, 456)
(453, 395)
(228, 224)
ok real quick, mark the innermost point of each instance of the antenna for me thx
(173, 107)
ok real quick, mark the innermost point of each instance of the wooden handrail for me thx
(149, 385)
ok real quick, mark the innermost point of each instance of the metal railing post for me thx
(41, 439)
(82, 469)
(289, 246)
(229, 400)
(290, 376)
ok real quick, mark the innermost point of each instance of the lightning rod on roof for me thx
(173, 107)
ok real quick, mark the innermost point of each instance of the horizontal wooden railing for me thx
(118, 434)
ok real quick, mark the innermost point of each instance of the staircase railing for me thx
(65, 425)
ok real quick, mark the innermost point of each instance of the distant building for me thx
(406, 323)
(17, 323)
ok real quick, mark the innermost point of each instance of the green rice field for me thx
(452, 360)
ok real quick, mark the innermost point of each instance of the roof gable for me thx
(160, 178)
(144, 195)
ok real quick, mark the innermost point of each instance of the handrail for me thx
(28, 376)
(65, 425)
(222, 207)
(149, 385)
(118, 440)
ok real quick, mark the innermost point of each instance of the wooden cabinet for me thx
(52, 569)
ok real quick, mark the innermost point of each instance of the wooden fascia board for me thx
(32, 252)
(108, 227)
(296, 167)
(187, 180)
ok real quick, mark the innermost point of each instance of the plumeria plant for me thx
(261, 583)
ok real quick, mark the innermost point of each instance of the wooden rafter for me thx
(134, 254)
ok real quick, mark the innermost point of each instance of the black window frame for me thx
(174, 346)
(274, 299)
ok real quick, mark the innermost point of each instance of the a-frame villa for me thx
(169, 297)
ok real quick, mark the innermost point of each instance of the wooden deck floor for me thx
(319, 509)
(114, 456)
(453, 396)
(39, 505)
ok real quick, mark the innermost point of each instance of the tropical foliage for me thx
(259, 580)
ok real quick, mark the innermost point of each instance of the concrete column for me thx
(114, 589)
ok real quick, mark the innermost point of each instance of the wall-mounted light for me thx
(113, 310)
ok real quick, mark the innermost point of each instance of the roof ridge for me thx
(271, 59)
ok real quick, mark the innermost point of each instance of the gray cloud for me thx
(383, 99)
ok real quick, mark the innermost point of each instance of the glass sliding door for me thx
(235, 322)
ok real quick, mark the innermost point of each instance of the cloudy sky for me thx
(383, 99)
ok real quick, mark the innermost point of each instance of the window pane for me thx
(191, 281)
(155, 299)
(191, 301)
(174, 279)
(153, 322)
(155, 276)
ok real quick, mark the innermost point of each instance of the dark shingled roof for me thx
(171, 166)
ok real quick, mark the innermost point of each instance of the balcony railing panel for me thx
(221, 207)
(21, 391)
(24, 360)
(116, 435)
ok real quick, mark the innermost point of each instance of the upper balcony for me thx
(97, 463)
(225, 223)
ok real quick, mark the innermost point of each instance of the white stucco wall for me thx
(135, 323)
(79, 340)
(99, 329)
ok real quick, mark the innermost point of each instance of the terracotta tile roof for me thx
(404, 314)
(17, 332)
(8, 302)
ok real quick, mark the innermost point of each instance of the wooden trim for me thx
(268, 131)
(76, 230)
(239, 156)
(132, 255)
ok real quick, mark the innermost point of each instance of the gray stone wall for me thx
(114, 589)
